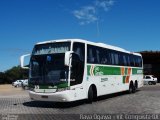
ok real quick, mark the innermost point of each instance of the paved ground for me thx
(16, 101)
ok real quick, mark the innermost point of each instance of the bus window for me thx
(93, 54)
(132, 60)
(97, 56)
(128, 60)
(90, 58)
(139, 61)
(104, 57)
(124, 60)
(116, 56)
(112, 57)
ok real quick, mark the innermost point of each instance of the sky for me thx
(131, 24)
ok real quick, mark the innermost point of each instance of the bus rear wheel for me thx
(132, 88)
(136, 85)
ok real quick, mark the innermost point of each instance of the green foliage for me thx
(13, 74)
(2, 77)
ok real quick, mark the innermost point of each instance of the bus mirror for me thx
(67, 59)
(22, 61)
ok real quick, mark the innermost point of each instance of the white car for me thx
(17, 83)
(150, 79)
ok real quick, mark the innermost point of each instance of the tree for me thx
(2, 77)
(13, 74)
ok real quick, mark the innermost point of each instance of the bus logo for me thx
(98, 72)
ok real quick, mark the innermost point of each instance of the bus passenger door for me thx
(77, 69)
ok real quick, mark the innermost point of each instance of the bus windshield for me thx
(47, 64)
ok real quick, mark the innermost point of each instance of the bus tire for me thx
(132, 88)
(90, 95)
(136, 85)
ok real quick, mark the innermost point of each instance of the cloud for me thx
(104, 4)
(88, 14)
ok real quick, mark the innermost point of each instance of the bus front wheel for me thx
(90, 95)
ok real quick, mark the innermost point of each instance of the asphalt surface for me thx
(19, 106)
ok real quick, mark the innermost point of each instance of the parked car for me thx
(25, 83)
(17, 83)
(150, 79)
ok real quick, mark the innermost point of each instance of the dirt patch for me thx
(8, 89)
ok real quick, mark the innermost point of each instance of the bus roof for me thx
(91, 43)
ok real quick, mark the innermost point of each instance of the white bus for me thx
(74, 69)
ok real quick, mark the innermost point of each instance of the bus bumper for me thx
(64, 96)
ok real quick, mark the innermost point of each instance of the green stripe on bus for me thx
(108, 70)
(137, 71)
(88, 69)
(60, 85)
(63, 85)
(103, 70)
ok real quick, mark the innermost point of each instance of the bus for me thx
(74, 69)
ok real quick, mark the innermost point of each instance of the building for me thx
(151, 61)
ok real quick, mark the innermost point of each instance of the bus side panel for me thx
(114, 83)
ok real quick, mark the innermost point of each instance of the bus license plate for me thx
(44, 96)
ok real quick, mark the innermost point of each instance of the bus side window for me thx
(97, 56)
(116, 56)
(136, 61)
(124, 60)
(112, 57)
(132, 60)
(104, 56)
(128, 60)
(139, 62)
(90, 58)
(92, 54)
(121, 59)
